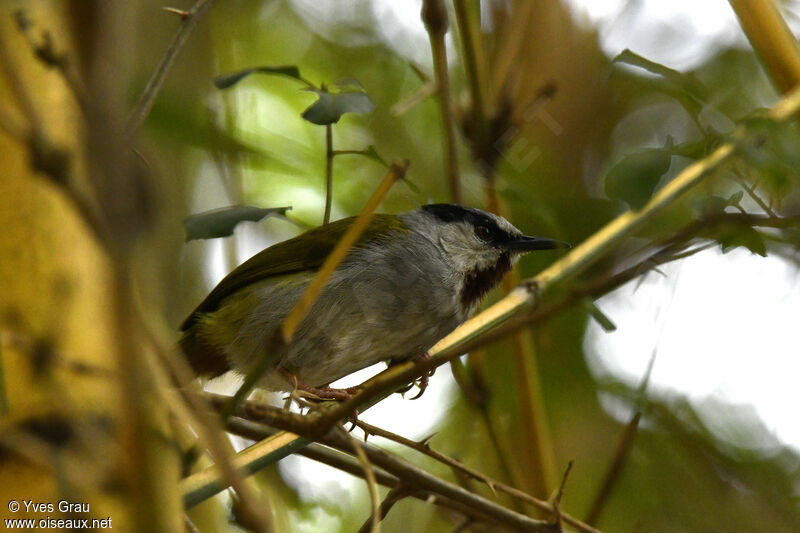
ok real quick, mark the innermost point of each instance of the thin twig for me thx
(424, 448)
(416, 477)
(751, 192)
(615, 468)
(372, 485)
(475, 391)
(427, 89)
(153, 87)
(344, 461)
(328, 173)
(472, 384)
(175, 11)
(266, 414)
(392, 497)
(434, 15)
(559, 495)
(624, 447)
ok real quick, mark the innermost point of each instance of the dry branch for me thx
(424, 448)
(189, 20)
(413, 476)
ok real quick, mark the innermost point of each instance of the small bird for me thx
(411, 279)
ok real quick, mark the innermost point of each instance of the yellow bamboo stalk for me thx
(772, 40)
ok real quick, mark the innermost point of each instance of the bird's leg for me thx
(323, 393)
(424, 378)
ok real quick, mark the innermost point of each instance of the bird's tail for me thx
(205, 358)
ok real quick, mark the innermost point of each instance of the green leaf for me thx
(685, 81)
(226, 81)
(735, 198)
(634, 178)
(330, 107)
(221, 222)
(744, 236)
(774, 152)
(710, 206)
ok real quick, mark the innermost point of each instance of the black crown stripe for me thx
(474, 217)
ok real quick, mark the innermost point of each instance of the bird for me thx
(411, 279)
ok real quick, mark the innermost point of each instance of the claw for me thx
(424, 378)
(353, 419)
(422, 384)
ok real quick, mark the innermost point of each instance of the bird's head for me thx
(480, 246)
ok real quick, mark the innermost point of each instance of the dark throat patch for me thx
(478, 282)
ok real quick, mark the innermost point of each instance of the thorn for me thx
(490, 484)
(426, 440)
(180, 12)
(559, 494)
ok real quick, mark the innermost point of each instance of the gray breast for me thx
(389, 302)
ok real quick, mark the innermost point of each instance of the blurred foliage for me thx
(611, 134)
(221, 222)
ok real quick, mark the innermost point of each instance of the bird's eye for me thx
(483, 232)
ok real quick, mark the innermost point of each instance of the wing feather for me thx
(302, 253)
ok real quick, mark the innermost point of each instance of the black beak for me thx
(523, 244)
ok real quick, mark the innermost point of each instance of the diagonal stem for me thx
(154, 84)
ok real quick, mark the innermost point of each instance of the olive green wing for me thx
(306, 252)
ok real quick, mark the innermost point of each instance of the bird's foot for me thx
(422, 383)
(320, 393)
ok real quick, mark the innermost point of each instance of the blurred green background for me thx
(578, 119)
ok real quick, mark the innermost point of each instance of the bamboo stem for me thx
(772, 40)
(434, 15)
